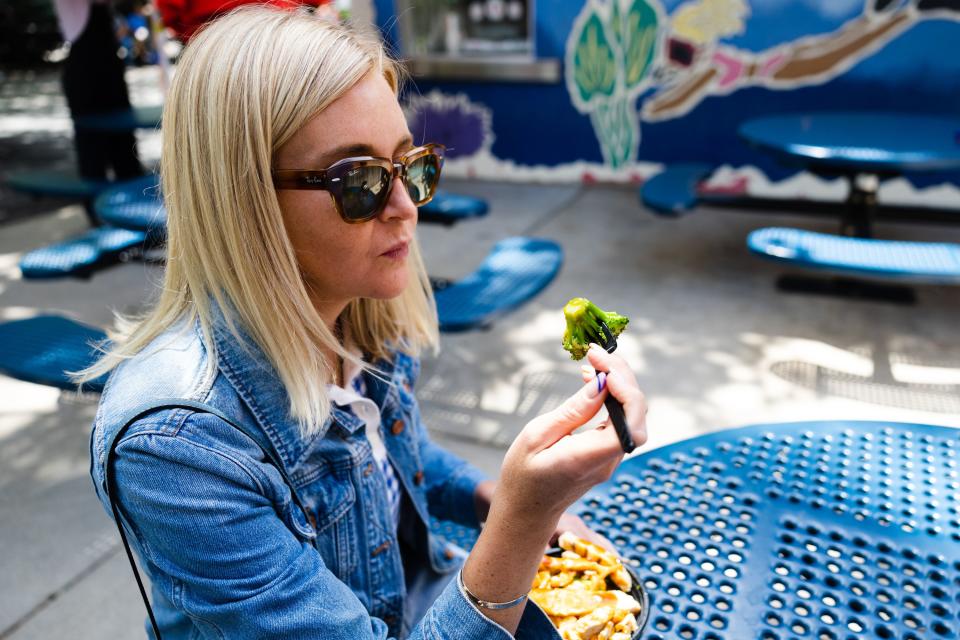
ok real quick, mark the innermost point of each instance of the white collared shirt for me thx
(352, 396)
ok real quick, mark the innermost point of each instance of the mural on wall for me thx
(462, 125)
(611, 58)
(647, 83)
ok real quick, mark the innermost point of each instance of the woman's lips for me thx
(397, 251)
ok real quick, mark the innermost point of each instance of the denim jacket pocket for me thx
(329, 500)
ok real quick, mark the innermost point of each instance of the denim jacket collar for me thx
(249, 371)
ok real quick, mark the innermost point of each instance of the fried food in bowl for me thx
(588, 593)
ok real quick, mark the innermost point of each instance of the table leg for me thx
(861, 205)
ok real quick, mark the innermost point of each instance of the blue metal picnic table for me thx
(863, 147)
(821, 530)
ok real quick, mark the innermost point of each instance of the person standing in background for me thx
(93, 83)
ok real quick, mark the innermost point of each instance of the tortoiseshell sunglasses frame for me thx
(329, 179)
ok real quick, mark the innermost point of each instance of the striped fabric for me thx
(390, 479)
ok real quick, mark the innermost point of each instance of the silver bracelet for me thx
(483, 604)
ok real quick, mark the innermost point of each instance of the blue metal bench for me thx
(136, 205)
(64, 184)
(674, 191)
(81, 256)
(43, 349)
(934, 262)
(122, 119)
(514, 271)
(450, 208)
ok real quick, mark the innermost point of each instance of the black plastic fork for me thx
(609, 343)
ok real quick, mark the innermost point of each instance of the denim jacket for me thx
(229, 553)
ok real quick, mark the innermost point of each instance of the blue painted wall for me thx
(916, 71)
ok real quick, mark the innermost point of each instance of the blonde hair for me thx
(244, 86)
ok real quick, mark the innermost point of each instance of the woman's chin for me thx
(391, 288)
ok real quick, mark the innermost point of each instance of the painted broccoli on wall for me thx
(609, 57)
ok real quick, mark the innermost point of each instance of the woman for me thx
(293, 307)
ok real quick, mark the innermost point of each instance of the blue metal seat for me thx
(136, 205)
(44, 348)
(514, 271)
(920, 261)
(80, 256)
(64, 184)
(673, 191)
(450, 208)
(122, 119)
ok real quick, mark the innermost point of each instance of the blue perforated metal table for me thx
(862, 147)
(821, 530)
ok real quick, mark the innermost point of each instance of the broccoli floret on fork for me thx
(586, 323)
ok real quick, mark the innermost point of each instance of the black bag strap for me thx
(178, 403)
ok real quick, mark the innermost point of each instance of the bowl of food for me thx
(589, 594)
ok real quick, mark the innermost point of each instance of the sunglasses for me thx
(360, 186)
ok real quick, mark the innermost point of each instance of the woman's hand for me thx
(548, 467)
(568, 521)
(571, 523)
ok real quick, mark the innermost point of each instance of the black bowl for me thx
(637, 591)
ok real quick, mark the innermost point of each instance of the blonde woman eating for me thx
(259, 438)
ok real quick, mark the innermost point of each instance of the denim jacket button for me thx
(383, 547)
(397, 427)
(368, 469)
(449, 554)
(418, 478)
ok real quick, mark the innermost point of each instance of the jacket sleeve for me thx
(239, 560)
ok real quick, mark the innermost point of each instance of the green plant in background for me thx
(610, 53)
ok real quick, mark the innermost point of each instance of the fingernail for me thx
(594, 345)
(595, 386)
(587, 369)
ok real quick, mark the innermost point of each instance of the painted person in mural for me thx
(620, 51)
(697, 65)
(259, 433)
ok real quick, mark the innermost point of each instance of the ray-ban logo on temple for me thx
(360, 186)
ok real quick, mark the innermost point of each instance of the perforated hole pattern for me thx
(895, 476)
(829, 585)
(686, 530)
(821, 530)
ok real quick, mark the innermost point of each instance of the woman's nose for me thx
(399, 203)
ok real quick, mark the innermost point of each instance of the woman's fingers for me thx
(574, 524)
(587, 372)
(610, 362)
(622, 385)
(575, 412)
(590, 456)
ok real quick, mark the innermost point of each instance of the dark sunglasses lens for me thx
(364, 190)
(422, 177)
